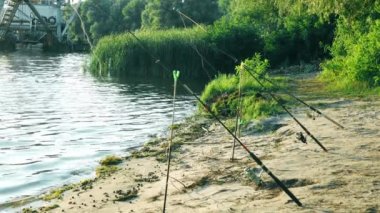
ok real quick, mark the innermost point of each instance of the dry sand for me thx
(203, 179)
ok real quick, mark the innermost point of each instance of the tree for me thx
(105, 17)
(163, 13)
(289, 36)
(355, 50)
(224, 5)
(132, 14)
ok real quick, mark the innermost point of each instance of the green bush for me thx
(237, 39)
(356, 57)
(104, 171)
(221, 94)
(57, 193)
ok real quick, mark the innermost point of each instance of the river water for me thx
(57, 121)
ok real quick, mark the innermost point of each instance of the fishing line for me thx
(175, 77)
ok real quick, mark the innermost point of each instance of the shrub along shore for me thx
(192, 51)
(344, 36)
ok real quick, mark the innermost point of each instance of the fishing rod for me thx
(286, 110)
(263, 77)
(238, 108)
(298, 99)
(251, 154)
(271, 94)
(175, 77)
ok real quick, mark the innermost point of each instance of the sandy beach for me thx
(204, 179)
(98, 97)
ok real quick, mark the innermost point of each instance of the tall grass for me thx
(123, 55)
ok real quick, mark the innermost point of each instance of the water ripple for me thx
(56, 121)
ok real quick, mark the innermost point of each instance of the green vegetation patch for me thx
(111, 160)
(29, 210)
(57, 193)
(355, 66)
(123, 55)
(106, 168)
(105, 171)
(41, 209)
(222, 93)
(48, 208)
(86, 184)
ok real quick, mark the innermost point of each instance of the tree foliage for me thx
(160, 14)
(132, 14)
(343, 33)
(288, 36)
(355, 50)
(105, 17)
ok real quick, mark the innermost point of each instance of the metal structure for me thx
(34, 21)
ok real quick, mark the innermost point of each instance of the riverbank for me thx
(203, 179)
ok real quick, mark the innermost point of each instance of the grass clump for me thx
(57, 193)
(106, 168)
(86, 184)
(201, 182)
(29, 210)
(111, 160)
(221, 94)
(148, 151)
(105, 171)
(41, 209)
(48, 208)
(126, 196)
